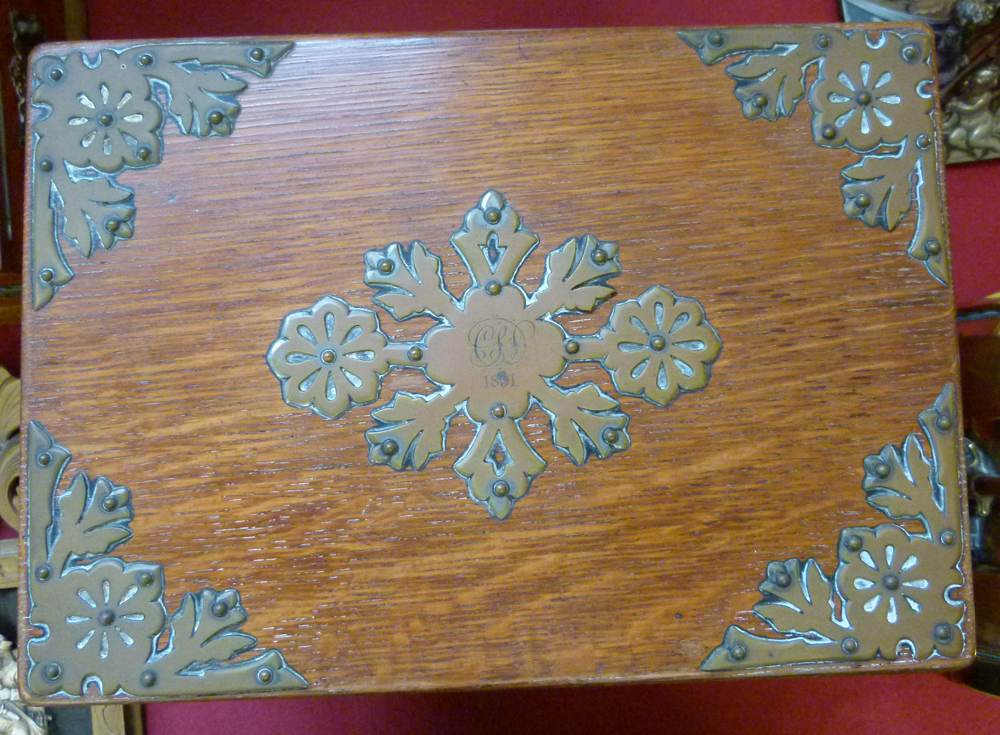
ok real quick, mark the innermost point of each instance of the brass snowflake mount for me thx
(495, 353)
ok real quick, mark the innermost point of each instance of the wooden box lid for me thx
(366, 292)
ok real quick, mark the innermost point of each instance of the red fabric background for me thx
(887, 704)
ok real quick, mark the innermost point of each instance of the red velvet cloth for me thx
(887, 704)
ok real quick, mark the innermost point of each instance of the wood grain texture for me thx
(150, 366)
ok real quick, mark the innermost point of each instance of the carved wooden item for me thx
(290, 305)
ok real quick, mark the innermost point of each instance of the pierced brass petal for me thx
(899, 590)
(97, 117)
(872, 95)
(102, 617)
(496, 352)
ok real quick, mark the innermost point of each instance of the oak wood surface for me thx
(150, 365)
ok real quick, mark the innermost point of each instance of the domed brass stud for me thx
(46, 165)
(923, 141)
(500, 488)
(493, 288)
(499, 411)
(257, 54)
(738, 652)
(414, 354)
(850, 645)
(492, 215)
(572, 347)
(882, 469)
(265, 676)
(147, 679)
(863, 200)
(220, 609)
(145, 59)
(106, 618)
(389, 447)
(854, 543)
(600, 257)
(716, 39)
(215, 117)
(948, 538)
(933, 247)
(658, 343)
(386, 266)
(829, 132)
(52, 671)
(610, 435)
(328, 356)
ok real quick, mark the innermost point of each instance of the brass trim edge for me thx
(872, 95)
(494, 353)
(105, 114)
(103, 620)
(891, 594)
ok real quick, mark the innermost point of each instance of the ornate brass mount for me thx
(872, 95)
(494, 354)
(967, 33)
(103, 115)
(103, 620)
(892, 594)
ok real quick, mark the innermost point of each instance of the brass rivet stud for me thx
(610, 435)
(257, 54)
(493, 288)
(328, 356)
(147, 678)
(220, 609)
(492, 215)
(499, 411)
(215, 117)
(850, 645)
(415, 353)
(716, 39)
(783, 580)
(143, 152)
(52, 671)
(572, 347)
(500, 488)
(822, 41)
(43, 572)
(386, 266)
(600, 257)
(864, 98)
(890, 582)
(112, 225)
(46, 165)
(943, 633)
(911, 53)
(105, 119)
(44, 459)
(46, 275)
(829, 132)
(145, 59)
(389, 447)
(854, 543)
(55, 74)
(933, 247)
(265, 676)
(144, 579)
(109, 503)
(738, 652)
(863, 201)
(759, 101)
(944, 423)
(106, 618)
(658, 343)
(882, 469)
(948, 538)
(923, 141)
